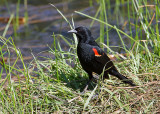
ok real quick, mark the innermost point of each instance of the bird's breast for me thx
(84, 54)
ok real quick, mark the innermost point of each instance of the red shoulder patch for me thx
(96, 52)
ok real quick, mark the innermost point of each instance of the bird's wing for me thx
(101, 57)
(93, 43)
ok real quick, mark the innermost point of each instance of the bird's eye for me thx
(79, 30)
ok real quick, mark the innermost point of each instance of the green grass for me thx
(54, 85)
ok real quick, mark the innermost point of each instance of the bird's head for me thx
(82, 33)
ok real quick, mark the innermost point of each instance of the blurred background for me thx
(35, 21)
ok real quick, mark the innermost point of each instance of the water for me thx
(44, 19)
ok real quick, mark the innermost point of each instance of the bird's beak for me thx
(72, 31)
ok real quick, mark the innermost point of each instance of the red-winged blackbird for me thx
(93, 58)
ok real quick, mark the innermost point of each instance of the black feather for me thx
(93, 58)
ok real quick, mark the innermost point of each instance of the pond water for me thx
(43, 20)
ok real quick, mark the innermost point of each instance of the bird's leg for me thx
(86, 87)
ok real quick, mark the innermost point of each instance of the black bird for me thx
(93, 58)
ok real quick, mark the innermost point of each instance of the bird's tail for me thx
(121, 77)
